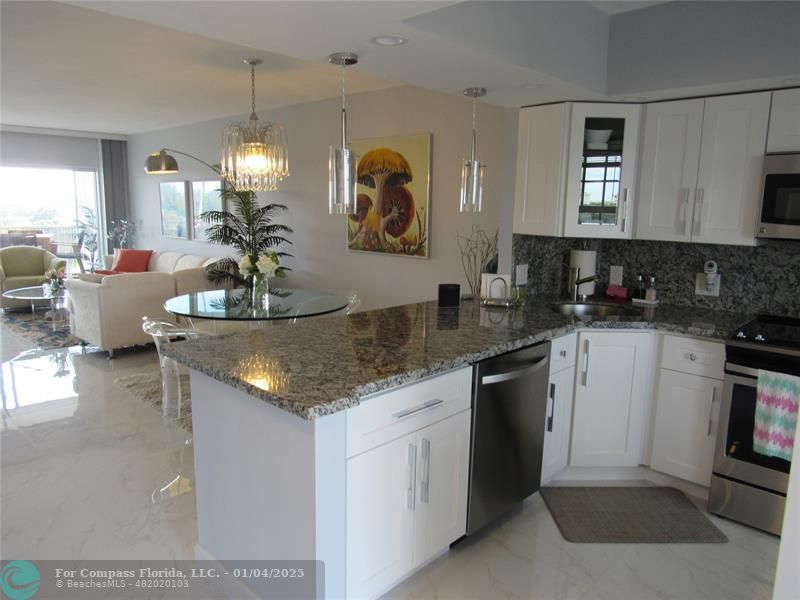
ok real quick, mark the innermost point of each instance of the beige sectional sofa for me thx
(107, 311)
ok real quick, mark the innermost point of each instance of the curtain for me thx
(115, 182)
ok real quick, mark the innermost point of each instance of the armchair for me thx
(24, 266)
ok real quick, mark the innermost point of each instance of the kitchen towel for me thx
(778, 395)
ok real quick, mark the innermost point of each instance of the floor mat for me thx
(630, 515)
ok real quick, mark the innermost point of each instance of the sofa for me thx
(24, 266)
(107, 310)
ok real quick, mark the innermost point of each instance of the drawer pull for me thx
(424, 406)
(510, 375)
(692, 356)
(563, 354)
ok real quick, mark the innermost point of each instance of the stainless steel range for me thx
(747, 486)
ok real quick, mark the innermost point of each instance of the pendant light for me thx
(255, 153)
(472, 169)
(342, 162)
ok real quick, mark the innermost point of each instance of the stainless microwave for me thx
(780, 200)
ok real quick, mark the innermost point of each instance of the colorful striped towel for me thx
(776, 414)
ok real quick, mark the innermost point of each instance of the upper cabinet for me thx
(668, 171)
(601, 170)
(541, 163)
(784, 122)
(701, 169)
(731, 166)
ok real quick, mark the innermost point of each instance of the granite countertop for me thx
(320, 366)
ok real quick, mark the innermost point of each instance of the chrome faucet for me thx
(575, 281)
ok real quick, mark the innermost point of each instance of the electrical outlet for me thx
(521, 275)
(702, 288)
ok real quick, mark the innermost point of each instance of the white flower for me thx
(267, 265)
(245, 265)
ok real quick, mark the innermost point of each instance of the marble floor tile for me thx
(82, 460)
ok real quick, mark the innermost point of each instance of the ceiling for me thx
(128, 66)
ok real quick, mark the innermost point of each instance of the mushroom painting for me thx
(393, 196)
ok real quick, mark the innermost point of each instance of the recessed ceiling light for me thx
(791, 81)
(388, 40)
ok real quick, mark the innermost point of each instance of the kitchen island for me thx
(281, 414)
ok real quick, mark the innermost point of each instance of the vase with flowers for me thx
(257, 271)
(54, 282)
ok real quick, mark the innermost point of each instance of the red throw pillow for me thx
(131, 261)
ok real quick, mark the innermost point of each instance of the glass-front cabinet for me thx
(601, 170)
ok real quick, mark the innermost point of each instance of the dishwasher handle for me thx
(516, 374)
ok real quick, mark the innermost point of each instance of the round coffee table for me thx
(37, 293)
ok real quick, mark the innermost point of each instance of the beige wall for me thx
(321, 259)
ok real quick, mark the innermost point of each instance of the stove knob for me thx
(741, 335)
(760, 338)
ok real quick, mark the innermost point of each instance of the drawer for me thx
(697, 357)
(390, 415)
(562, 352)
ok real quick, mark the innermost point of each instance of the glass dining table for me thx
(241, 305)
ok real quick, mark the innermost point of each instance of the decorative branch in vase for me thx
(477, 250)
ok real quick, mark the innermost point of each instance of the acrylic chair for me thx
(164, 332)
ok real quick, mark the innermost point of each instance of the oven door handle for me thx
(740, 370)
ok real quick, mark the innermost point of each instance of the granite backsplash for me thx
(763, 279)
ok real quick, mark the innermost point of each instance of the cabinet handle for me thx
(416, 409)
(563, 354)
(685, 214)
(586, 363)
(711, 410)
(552, 407)
(692, 356)
(624, 210)
(424, 492)
(698, 210)
(411, 475)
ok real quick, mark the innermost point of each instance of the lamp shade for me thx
(160, 163)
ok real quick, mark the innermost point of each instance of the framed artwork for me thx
(393, 196)
(205, 197)
(174, 209)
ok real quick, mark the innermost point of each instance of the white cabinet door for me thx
(558, 423)
(611, 391)
(668, 170)
(687, 412)
(380, 516)
(541, 162)
(731, 163)
(601, 170)
(442, 476)
(784, 122)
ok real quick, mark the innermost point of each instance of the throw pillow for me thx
(131, 261)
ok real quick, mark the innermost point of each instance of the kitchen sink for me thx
(577, 309)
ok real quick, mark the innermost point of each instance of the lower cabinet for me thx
(612, 386)
(687, 413)
(558, 423)
(406, 502)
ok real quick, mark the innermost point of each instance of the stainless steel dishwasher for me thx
(509, 402)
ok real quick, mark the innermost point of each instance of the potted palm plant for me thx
(250, 229)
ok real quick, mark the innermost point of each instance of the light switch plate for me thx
(521, 275)
(702, 289)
